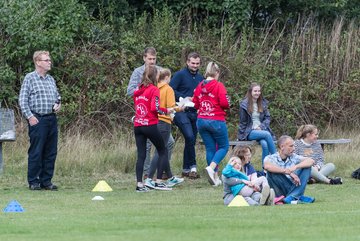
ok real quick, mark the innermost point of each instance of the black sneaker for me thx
(162, 186)
(35, 187)
(336, 181)
(50, 187)
(142, 189)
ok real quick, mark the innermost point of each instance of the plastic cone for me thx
(238, 201)
(98, 198)
(13, 207)
(102, 186)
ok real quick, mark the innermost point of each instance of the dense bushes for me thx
(309, 68)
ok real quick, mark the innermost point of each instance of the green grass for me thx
(193, 211)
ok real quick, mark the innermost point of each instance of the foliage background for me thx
(304, 53)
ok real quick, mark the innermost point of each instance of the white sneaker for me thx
(270, 200)
(210, 175)
(264, 194)
(218, 182)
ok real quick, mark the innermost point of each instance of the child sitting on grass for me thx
(240, 178)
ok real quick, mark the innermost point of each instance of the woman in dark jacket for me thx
(255, 121)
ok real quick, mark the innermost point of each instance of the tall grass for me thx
(88, 157)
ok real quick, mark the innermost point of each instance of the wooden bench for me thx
(323, 142)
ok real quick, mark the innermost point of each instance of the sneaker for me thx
(210, 175)
(185, 174)
(162, 186)
(271, 198)
(264, 194)
(174, 181)
(194, 175)
(336, 181)
(35, 187)
(218, 182)
(289, 200)
(306, 199)
(149, 183)
(311, 181)
(142, 189)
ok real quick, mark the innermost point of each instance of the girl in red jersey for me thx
(147, 108)
(211, 100)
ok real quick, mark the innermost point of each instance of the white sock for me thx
(193, 169)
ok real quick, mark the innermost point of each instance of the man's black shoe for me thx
(51, 187)
(35, 187)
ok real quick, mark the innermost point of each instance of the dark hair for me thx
(150, 76)
(250, 99)
(149, 50)
(194, 55)
(304, 130)
(240, 151)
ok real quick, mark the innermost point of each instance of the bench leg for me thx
(1, 158)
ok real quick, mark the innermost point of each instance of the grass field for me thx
(192, 211)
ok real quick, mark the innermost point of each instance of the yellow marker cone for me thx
(102, 186)
(238, 201)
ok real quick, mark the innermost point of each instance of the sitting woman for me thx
(240, 178)
(306, 144)
(255, 121)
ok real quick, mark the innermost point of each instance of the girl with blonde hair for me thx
(306, 144)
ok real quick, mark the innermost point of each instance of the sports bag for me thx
(356, 174)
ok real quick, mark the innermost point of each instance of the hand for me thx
(292, 169)
(33, 120)
(256, 188)
(170, 110)
(56, 107)
(296, 179)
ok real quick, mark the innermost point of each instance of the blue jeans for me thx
(215, 137)
(266, 141)
(43, 150)
(284, 186)
(186, 121)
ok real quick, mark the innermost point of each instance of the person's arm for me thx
(265, 123)
(244, 121)
(196, 99)
(155, 104)
(135, 80)
(304, 163)
(271, 167)
(24, 98)
(174, 83)
(318, 155)
(224, 100)
(232, 181)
